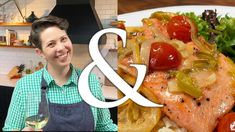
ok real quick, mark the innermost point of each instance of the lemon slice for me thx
(137, 118)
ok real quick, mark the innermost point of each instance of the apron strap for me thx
(43, 103)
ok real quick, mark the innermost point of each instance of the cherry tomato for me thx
(163, 56)
(227, 123)
(179, 28)
(121, 25)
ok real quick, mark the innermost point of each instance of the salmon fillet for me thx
(196, 115)
(153, 27)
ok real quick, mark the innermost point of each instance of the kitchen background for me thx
(10, 57)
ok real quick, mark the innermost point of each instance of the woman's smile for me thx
(63, 57)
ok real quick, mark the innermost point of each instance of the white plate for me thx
(134, 18)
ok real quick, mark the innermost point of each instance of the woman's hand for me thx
(30, 129)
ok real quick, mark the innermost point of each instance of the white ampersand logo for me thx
(99, 61)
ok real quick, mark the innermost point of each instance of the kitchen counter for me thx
(5, 81)
(108, 91)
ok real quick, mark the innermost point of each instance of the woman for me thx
(58, 82)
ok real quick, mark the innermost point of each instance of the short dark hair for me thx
(43, 23)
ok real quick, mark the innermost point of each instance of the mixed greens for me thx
(216, 29)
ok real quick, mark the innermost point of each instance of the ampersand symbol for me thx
(99, 61)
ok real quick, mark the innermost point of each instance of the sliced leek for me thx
(162, 16)
(135, 50)
(187, 85)
(206, 62)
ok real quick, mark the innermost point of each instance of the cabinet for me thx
(5, 98)
(10, 24)
(113, 111)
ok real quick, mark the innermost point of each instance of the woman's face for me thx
(57, 48)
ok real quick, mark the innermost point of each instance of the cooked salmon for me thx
(196, 115)
(153, 27)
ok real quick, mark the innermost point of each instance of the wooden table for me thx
(125, 6)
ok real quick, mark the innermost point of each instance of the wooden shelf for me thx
(11, 24)
(11, 46)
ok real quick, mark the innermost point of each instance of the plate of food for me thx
(189, 55)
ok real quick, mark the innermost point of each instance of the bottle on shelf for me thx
(32, 17)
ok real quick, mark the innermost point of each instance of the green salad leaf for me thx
(226, 38)
(225, 32)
